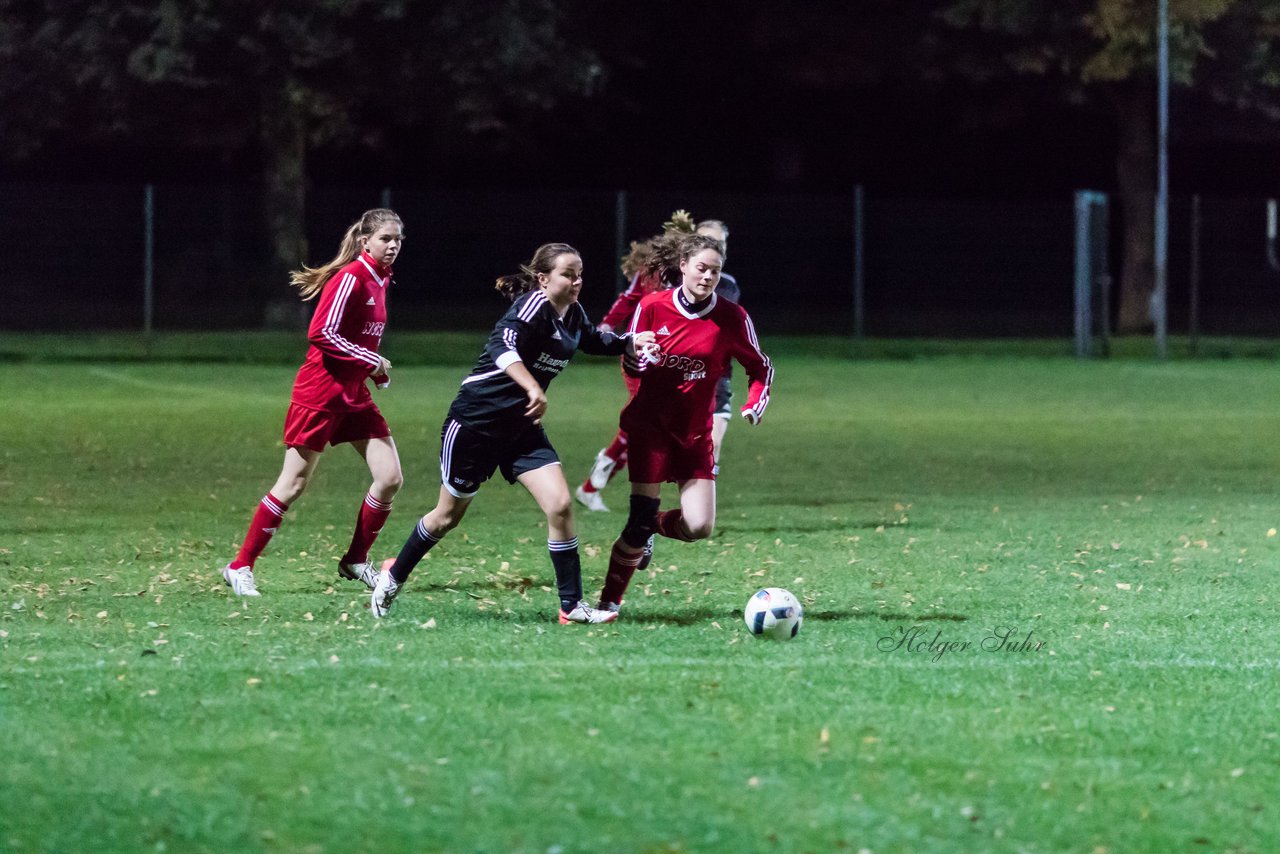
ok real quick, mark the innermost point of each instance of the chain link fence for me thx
(76, 257)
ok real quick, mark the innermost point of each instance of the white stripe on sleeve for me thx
(530, 309)
(333, 321)
(763, 402)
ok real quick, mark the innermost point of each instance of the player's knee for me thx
(440, 522)
(699, 527)
(642, 521)
(560, 510)
(289, 489)
(389, 485)
(700, 530)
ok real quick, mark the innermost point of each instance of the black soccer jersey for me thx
(530, 332)
(728, 288)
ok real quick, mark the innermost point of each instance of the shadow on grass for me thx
(687, 617)
(807, 527)
(837, 616)
(703, 615)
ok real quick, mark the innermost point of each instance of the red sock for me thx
(621, 567)
(266, 521)
(671, 524)
(373, 515)
(617, 451)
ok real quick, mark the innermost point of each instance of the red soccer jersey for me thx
(346, 331)
(624, 307)
(676, 391)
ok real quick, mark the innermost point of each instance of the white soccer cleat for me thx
(584, 613)
(609, 607)
(602, 470)
(240, 581)
(590, 500)
(362, 572)
(384, 593)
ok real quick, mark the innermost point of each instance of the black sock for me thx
(642, 521)
(418, 544)
(568, 566)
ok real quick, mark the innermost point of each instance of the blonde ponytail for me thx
(311, 280)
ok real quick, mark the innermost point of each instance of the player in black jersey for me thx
(727, 289)
(495, 422)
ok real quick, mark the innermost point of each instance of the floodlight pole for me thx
(1159, 297)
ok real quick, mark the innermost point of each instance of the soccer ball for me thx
(773, 613)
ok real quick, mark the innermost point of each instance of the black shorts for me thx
(724, 394)
(469, 458)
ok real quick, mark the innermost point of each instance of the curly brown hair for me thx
(637, 259)
(672, 248)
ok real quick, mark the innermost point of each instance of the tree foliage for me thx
(1106, 51)
(279, 79)
(198, 71)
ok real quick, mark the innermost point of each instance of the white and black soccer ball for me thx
(773, 613)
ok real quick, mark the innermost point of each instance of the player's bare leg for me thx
(384, 465)
(719, 426)
(696, 518)
(429, 530)
(299, 464)
(549, 489)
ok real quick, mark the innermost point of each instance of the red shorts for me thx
(313, 428)
(633, 384)
(655, 456)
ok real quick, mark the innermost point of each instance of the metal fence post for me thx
(1083, 278)
(620, 233)
(148, 258)
(1090, 270)
(1160, 297)
(1193, 316)
(1272, 259)
(859, 262)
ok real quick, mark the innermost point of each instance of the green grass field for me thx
(1110, 525)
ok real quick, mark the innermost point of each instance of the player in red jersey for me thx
(669, 420)
(612, 459)
(331, 403)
